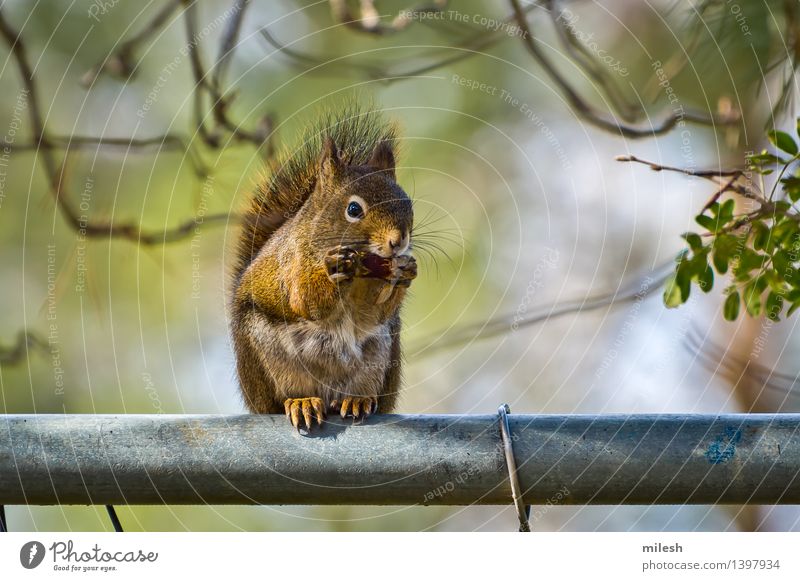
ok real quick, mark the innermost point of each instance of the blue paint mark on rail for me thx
(723, 448)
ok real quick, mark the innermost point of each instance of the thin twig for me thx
(726, 187)
(702, 173)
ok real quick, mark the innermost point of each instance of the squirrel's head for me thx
(363, 204)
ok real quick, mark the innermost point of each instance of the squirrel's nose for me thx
(396, 239)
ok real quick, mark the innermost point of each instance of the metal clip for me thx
(523, 511)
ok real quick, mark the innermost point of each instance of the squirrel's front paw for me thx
(406, 267)
(305, 405)
(341, 264)
(357, 407)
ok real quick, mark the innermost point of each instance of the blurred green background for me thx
(525, 195)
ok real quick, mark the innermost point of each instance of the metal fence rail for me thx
(399, 460)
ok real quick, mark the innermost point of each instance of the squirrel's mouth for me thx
(386, 250)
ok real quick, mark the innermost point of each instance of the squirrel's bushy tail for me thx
(355, 129)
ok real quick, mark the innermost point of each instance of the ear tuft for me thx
(330, 164)
(382, 158)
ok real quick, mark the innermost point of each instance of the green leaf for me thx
(774, 306)
(725, 213)
(758, 160)
(775, 281)
(783, 141)
(752, 297)
(791, 187)
(749, 260)
(760, 233)
(673, 297)
(731, 309)
(782, 262)
(686, 270)
(784, 231)
(794, 306)
(694, 240)
(707, 222)
(706, 279)
(721, 262)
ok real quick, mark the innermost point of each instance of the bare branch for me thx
(18, 51)
(16, 353)
(131, 231)
(746, 189)
(581, 56)
(220, 104)
(120, 63)
(369, 21)
(637, 289)
(228, 42)
(76, 142)
(582, 108)
(463, 51)
(716, 359)
(702, 173)
(57, 175)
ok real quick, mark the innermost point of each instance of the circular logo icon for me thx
(31, 554)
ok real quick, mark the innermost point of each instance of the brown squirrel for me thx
(324, 261)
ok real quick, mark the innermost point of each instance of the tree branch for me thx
(120, 63)
(16, 353)
(582, 108)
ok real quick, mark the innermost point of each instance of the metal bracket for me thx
(523, 510)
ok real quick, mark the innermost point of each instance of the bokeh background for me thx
(522, 192)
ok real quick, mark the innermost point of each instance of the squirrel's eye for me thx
(354, 211)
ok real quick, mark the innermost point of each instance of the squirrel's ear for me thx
(383, 158)
(330, 164)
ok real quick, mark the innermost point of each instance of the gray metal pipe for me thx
(399, 460)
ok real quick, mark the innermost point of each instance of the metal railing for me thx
(399, 460)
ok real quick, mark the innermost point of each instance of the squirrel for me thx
(323, 264)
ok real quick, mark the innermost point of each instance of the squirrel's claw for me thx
(357, 406)
(341, 264)
(305, 405)
(407, 270)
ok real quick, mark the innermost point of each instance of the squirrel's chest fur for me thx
(331, 357)
(341, 338)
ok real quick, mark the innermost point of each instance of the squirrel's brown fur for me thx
(311, 333)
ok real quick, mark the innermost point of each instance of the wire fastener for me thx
(523, 511)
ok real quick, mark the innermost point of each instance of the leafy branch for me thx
(756, 245)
